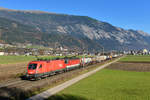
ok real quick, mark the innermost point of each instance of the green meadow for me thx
(19, 59)
(15, 59)
(109, 84)
(136, 58)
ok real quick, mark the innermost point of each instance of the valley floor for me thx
(119, 81)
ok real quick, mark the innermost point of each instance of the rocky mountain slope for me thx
(71, 31)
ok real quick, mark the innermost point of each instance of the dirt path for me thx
(60, 87)
(16, 89)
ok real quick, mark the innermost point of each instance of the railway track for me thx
(23, 83)
(10, 82)
(26, 84)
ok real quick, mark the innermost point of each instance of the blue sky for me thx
(128, 14)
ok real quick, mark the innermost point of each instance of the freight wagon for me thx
(101, 58)
(85, 61)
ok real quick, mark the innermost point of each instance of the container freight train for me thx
(43, 68)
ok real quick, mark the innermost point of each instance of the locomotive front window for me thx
(66, 61)
(40, 66)
(32, 66)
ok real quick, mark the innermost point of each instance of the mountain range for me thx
(70, 31)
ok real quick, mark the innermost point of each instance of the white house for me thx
(2, 53)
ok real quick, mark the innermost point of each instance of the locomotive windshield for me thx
(32, 66)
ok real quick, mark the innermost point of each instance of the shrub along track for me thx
(19, 86)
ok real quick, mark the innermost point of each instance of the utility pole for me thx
(102, 49)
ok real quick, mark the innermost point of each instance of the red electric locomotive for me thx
(38, 69)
